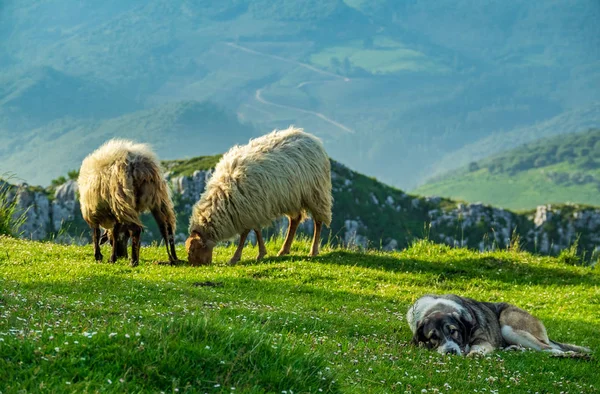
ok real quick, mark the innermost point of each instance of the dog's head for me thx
(446, 332)
(199, 249)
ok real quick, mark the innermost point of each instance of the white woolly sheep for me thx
(117, 182)
(285, 172)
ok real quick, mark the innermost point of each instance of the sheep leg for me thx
(114, 239)
(316, 238)
(262, 250)
(238, 252)
(166, 231)
(96, 240)
(135, 233)
(287, 244)
(173, 256)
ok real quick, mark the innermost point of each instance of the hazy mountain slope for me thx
(390, 86)
(553, 170)
(182, 129)
(568, 122)
(39, 95)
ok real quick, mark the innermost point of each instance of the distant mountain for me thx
(566, 123)
(183, 129)
(559, 169)
(40, 95)
(392, 87)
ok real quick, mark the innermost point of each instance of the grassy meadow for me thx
(560, 169)
(335, 323)
(523, 191)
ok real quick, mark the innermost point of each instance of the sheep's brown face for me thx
(199, 251)
(122, 241)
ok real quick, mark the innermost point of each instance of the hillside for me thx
(175, 130)
(366, 214)
(559, 169)
(433, 78)
(332, 324)
(573, 121)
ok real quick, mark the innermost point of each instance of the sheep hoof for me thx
(283, 252)
(98, 258)
(134, 263)
(260, 256)
(233, 262)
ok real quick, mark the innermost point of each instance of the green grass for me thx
(334, 323)
(10, 220)
(525, 190)
(189, 166)
(560, 169)
(389, 57)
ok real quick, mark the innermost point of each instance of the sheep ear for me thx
(206, 242)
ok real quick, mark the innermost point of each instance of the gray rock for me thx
(391, 245)
(374, 199)
(65, 205)
(191, 187)
(35, 207)
(352, 238)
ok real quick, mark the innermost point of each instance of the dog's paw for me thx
(474, 354)
(478, 352)
(514, 348)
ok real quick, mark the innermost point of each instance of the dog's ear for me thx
(419, 338)
(467, 326)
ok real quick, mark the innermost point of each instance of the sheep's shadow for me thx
(505, 269)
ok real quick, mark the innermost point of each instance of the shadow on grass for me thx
(505, 269)
(176, 343)
(251, 296)
(198, 354)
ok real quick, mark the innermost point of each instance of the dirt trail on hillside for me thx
(260, 99)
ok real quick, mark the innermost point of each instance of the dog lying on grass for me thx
(457, 325)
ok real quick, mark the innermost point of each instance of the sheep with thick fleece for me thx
(117, 182)
(286, 172)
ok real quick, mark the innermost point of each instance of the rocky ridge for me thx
(366, 214)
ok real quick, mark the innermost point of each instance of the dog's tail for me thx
(567, 347)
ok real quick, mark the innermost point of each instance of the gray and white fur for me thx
(459, 325)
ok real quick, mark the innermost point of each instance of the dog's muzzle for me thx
(449, 348)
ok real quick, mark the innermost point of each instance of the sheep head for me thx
(199, 249)
(122, 241)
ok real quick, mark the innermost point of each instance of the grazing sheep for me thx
(285, 172)
(117, 182)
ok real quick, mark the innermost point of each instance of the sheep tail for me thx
(122, 199)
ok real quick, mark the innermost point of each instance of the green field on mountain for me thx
(554, 170)
(334, 323)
